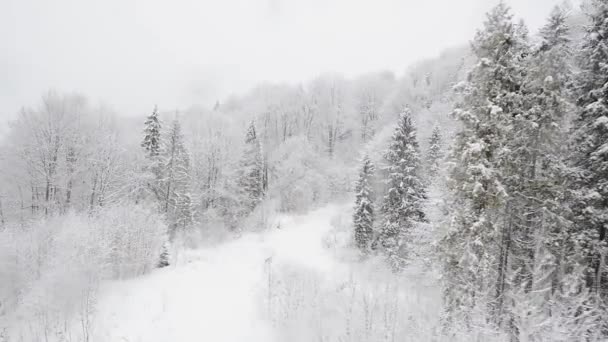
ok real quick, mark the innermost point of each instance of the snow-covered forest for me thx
(465, 199)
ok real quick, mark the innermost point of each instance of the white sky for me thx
(132, 54)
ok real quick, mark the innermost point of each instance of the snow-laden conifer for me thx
(590, 154)
(434, 154)
(176, 181)
(251, 177)
(364, 207)
(402, 205)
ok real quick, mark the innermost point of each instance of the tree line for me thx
(524, 244)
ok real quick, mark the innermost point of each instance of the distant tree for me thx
(176, 181)
(435, 153)
(364, 207)
(369, 108)
(163, 260)
(152, 168)
(152, 139)
(402, 206)
(251, 178)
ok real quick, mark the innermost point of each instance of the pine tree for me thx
(402, 205)
(152, 142)
(364, 207)
(163, 260)
(477, 245)
(590, 155)
(151, 170)
(435, 153)
(251, 179)
(535, 180)
(175, 182)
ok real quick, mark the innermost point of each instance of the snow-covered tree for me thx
(476, 247)
(148, 182)
(176, 181)
(435, 153)
(369, 105)
(364, 207)
(402, 205)
(533, 165)
(251, 179)
(590, 154)
(163, 260)
(152, 139)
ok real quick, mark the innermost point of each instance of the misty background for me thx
(132, 54)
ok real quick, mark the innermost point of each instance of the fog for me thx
(132, 54)
(403, 170)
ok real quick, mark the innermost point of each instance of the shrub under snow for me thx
(50, 270)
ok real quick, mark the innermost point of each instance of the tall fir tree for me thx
(589, 158)
(151, 170)
(477, 245)
(176, 181)
(152, 139)
(435, 153)
(251, 179)
(537, 194)
(364, 207)
(402, 206)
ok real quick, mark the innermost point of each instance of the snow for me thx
(495, 110)
(211, 294)
(475, 148)
(601, 121)
(316, 291)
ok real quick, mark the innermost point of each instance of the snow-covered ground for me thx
(284, 284)
(212, 294)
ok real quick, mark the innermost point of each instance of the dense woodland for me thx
(488, 166)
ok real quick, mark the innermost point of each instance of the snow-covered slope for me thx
(285, 284)
(212, 294)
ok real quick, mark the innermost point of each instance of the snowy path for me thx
(214, 296)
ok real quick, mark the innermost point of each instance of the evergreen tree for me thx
(251, 179)
(477, 245)
(175, 182)
(539, 141)
(151, 170)
(590, 155)
(402, 205)
(435, 153)
(152, 142)
(163, 260)
(533, 168)
(364, 207)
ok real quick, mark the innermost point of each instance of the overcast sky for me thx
(132, 54)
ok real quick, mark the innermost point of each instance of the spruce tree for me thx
(151, 169)
(590, 155)
(364, 207)
(152, 142)
(435, 153)
(532, 165)
(176, 181)
(477, 245)
(251, 178)
(163, 260)
(402, 205)
(541, 188)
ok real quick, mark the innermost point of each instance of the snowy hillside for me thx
(460, 198)
(222, 293)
